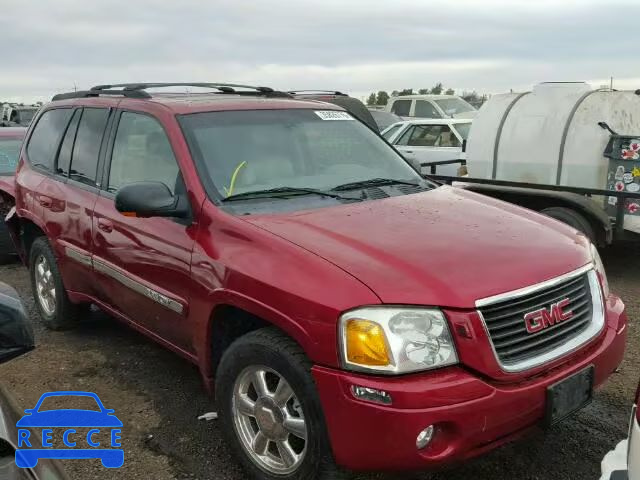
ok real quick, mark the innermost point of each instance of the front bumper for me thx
(472, 414)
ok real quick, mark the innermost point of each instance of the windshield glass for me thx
(25, 116)
(9, 152)
(463, 129)
(247, 151)
(454, 106)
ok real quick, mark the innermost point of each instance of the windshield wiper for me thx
(374, 182)
(280, 192)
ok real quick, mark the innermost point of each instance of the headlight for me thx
(599, 266)
(396, 339)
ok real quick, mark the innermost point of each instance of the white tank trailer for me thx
(551, 135)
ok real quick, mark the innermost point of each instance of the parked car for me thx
(352, 105)
(430, 106)
(10, 143)
(384, 119)
(16, 115)
(16, 339)
(430, 141)
(327, 290)
(623, 463)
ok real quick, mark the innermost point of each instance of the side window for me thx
(431, 136)
(142, 152)
(401, 107)
(406, 136)
(84, 159)
(46, 136)
(426, 109)
(64, 157)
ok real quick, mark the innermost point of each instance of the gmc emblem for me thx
(543, 318)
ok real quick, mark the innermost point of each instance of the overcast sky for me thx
(352, 45)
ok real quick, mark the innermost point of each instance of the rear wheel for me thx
(56, 310)
(270, 410)
(571, 218)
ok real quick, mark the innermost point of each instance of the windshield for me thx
(463, 129)
(25, 116)
(454, 106)
(248, 151)
(9, 152)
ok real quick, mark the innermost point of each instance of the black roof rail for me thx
(97, 93)
(311, 92)
(222, 87)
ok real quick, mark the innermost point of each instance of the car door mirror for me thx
(16, 334)
(150, 199)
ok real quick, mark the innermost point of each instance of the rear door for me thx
(69, 195)
(145, 263)
(431, 143)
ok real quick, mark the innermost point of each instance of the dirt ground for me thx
(159, 396)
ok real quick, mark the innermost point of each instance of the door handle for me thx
(45, 201)
(105, 225)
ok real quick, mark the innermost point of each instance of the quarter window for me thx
(142, 153)
(46, 137)
(84, 160)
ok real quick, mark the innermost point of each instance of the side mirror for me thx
(16, 334)
(150, 199)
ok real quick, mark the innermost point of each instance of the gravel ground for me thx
(158, 396)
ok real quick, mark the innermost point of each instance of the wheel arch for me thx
(234, 315)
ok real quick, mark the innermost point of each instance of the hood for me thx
(7, 184)
(446, 247)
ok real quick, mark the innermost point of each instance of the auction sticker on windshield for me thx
(69, 433)
(333, 115)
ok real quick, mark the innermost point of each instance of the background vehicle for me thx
(428, 141)
(430, 106)
(350, 104)
(10, 143)
(247, 232)
(557, 150)
(16, 115)
(384, 119)
(16, 338)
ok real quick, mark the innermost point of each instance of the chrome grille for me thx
(507, 329)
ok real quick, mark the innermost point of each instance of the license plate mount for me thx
(569, 395)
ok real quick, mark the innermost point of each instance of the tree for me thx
(406, 91)
(395, 93)
(437, 90)
(423, 91)
(450, 91)
(383, 98)
(372, 99)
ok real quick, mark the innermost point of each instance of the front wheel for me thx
(270, 410)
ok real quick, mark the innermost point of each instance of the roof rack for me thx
(310, 92)
(138, 90)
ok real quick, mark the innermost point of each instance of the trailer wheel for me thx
(571, 218)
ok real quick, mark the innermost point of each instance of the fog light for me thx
(371, 395)
(424, 437)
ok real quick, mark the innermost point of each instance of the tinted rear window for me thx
(84, 161)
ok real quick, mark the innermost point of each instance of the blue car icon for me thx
(29, 451)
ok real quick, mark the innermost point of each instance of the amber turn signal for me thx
(366, 343)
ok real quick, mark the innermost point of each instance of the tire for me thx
(7, 250)
(571, 218)
(268, 350)
(62, 314)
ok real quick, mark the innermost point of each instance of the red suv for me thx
(349, 313)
